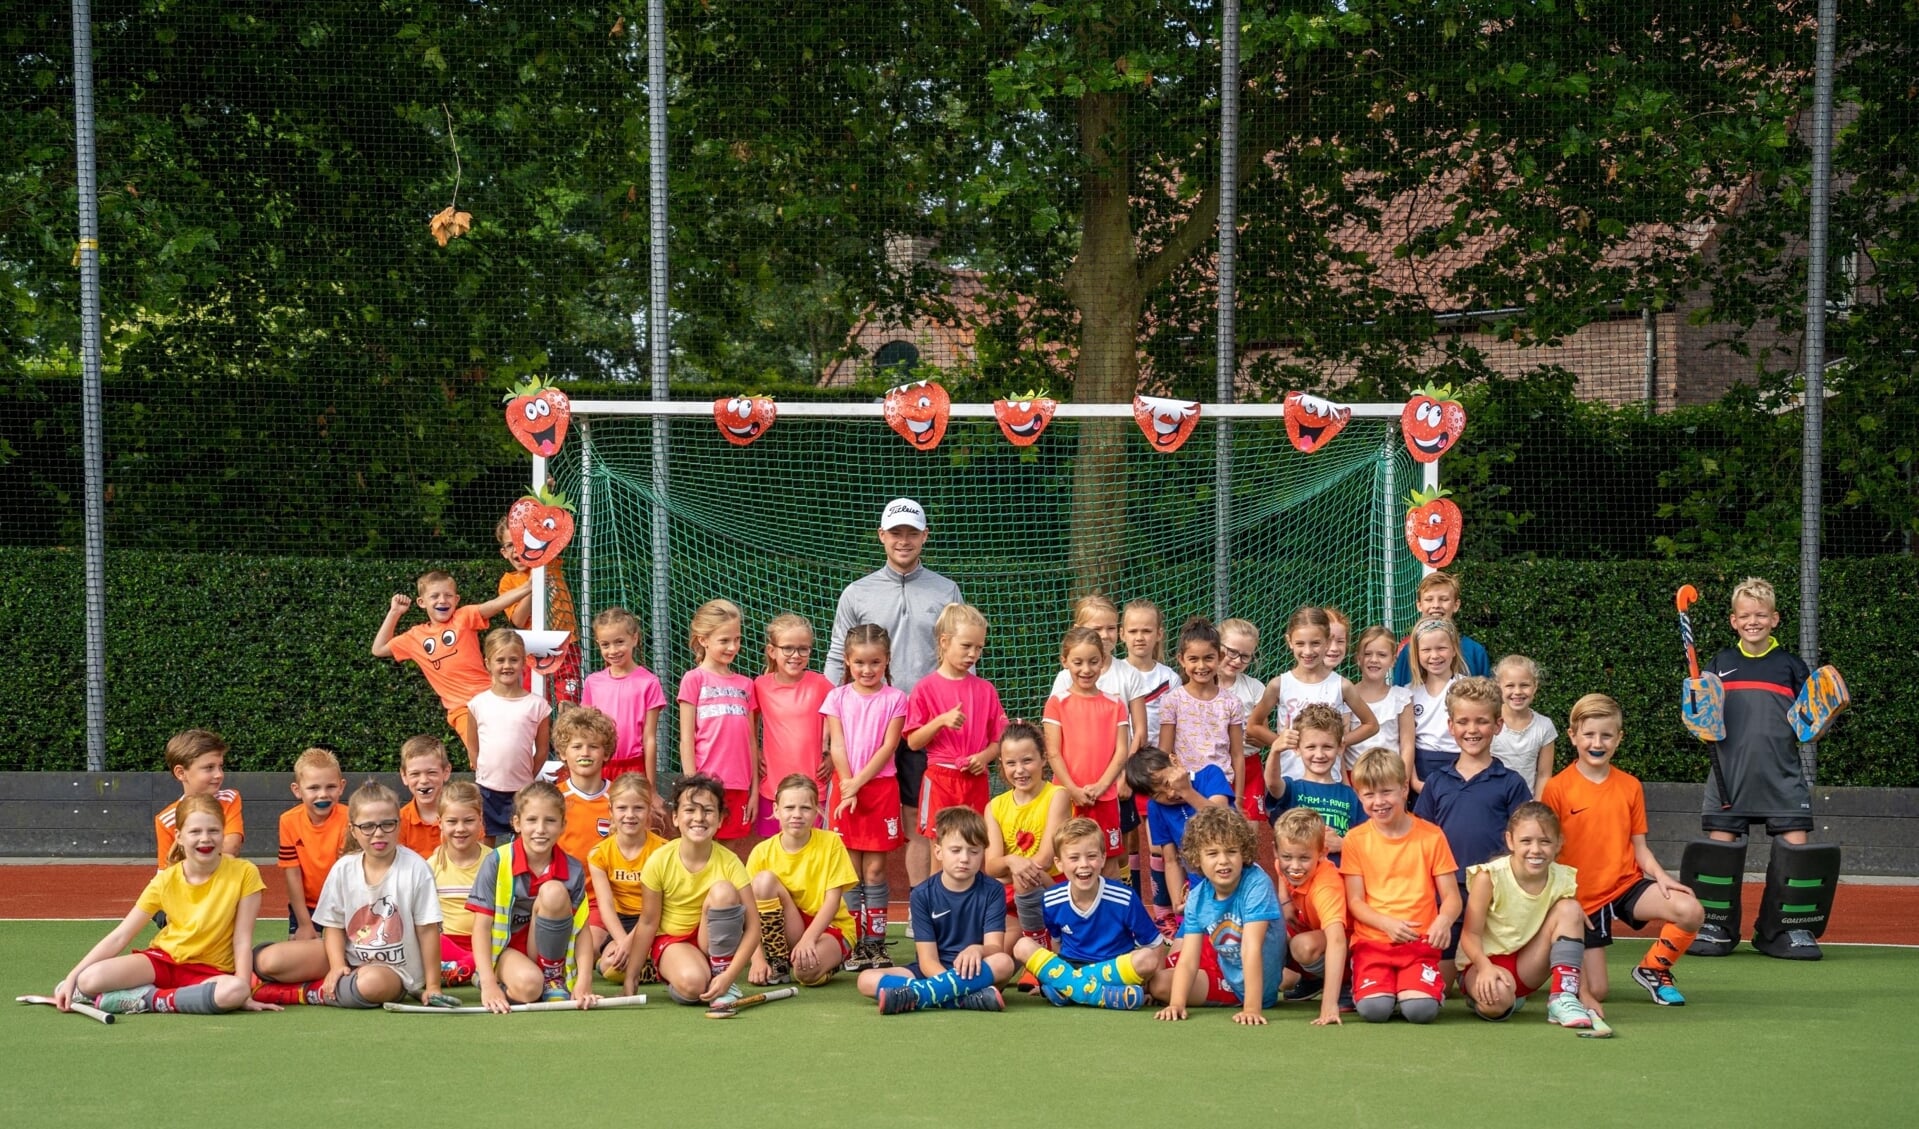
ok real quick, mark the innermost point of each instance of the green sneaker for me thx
(1565, 1010)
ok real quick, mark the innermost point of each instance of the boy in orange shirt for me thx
(583, 740)
(1602, 812)
(1402, 891)
(197, 758)
(1316, 929)
(446, 646)
(424, 769)
(312, 837)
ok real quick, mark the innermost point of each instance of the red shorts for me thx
(830, 933)
(741, 807)
(456, 949)
(563, 676)
(662, 940)
(170, 973)
(1510, 962)
(1382, 969)
(1106, 814)
(950, 788)
(1218, 992)
(1252, 797)
(612, 770)
(874, 822)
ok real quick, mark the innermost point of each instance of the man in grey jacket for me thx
(904, 597)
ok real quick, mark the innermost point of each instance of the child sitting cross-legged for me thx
(959, 929)
(1108, 944)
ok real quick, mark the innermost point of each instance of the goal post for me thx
(786, 523)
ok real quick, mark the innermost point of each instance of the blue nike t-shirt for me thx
(955, 919)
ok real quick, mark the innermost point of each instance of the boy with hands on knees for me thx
(1403, 895)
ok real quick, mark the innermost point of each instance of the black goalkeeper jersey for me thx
(1760, 756)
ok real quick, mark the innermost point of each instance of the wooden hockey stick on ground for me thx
(744, 1002)
(545, 1005)
(79, 1008)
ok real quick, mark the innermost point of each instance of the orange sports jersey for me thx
(417, 835)
(560, 615)
(1089, 726)
(1598, 821)
(449, 655)
(1319, 899)
(313, 848)
(623, 870)
(1398, 874)
(589, 819)
(164, 831)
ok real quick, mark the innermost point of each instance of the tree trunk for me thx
(1104, 285)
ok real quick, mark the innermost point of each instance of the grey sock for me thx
(195, 1000)
(551, 938)
(346, 993)
(724, 927)
(878, 894)
(854, 902)
(1315, 969)
(1031, 907)
(1420, 1010)
(1375, 1009)
(1567, 950)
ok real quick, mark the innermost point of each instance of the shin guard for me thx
(1714, 871)
(1797, 901)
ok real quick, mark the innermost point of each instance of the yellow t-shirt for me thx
(683, 894)
(1022, 825)
(454, 883)
(200, 918)
(623, 871)
(808, 873)
(1515, 916)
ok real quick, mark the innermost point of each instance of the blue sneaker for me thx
(1053, 995)
(896, 1001)
(554, 992)
(1127, 997)
(1658, 983)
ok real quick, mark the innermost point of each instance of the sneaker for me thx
(122, 1001)
(1053, 995)
(1346, 1000)
(1565, 1010)
(554, 992)
(983, 999)
(879, 956)
(725, 1000)
(897, 1001)
(1713, 941)
(1307, 988)
(909, 928)
(1658, 983)
(1793, 944)
(1127, 997)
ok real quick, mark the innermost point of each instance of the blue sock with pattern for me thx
(933, 991)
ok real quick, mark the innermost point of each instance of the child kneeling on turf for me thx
(800, 878)
(1402, 895)
(1524, 924)
(1225, 956)
(202, 960)
(454, 864)
(959, 929)
(380, 915)
(1316, 927)
(1022, 826)
(529, 908)
(1108, 944)
(693, 921)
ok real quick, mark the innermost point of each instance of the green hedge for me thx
(272, 652)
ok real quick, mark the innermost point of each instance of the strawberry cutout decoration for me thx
(1022, 418)
(1312, 421)
(551, 661)
(1433, 524)
(542, 525)
(918, 412)
(537, 414)
(1432, 422)
(744, 418)
(1166, 423)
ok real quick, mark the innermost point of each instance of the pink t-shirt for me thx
(723, 708)
(1200, 734)
(792, 736)
(507, 760)
(863, 721)
(1089, 728)
(627, 701)
(979, 704)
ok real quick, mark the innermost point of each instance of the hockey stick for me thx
(730, 1010)
(545, 1005)
(1599, 1030)
(78, 1008)
(1684, 599)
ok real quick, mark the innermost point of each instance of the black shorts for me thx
(496, 808)
(1129, 820)
(1599, 933)
(1459, 929)
(910, 768)
(1739, 824)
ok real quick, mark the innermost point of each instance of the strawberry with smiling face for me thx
(1165, 422)
(1433, 524)
(742, 419)
(537, 414)
(918, 413)
(1312, 422)
(1022, 418)
(542, 526)
(1432, 421)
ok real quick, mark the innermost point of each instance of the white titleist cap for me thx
(903, 511)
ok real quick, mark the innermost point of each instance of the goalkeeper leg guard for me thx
(1714, 871)
(1797, 901)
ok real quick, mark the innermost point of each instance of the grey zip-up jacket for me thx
(906, 605)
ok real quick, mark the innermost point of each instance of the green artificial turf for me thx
(1762, 1042)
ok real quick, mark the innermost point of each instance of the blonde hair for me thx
(780, 625)
(1073, 830)
(711, 616)
(435, 576)
(1092, 602)
(499, 638)
(316, 759)
(584, 721)
(1334, 615)
(1535, 812)
(372, 792)
(1757, 590)
(1147, 607)
(797, 780)
(1594, 705)
(190, 745)
(1076, 637)
(1300, 825)
(634, 782)
(1436, 627)
(955, 616)
(1238, 627)
(1520, 663)
(617, 617)
(199, 803)
(459, 793)
(1214, 826)
(538, 792)
(1473, 689)
(1379, 768)
(424, 745)
(1320, 718)
(1434, 580)
(1377, 631)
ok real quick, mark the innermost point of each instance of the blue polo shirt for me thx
(1478, 663)
(1167, 822)
(1473, 813)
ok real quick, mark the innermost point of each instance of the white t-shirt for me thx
(1247, 689)
(1430, 731)
(1386, 711)
(1294, 696)
(1518, 749)
(1153, 685)
(1119, 679)
(379, 921)
(507, 727)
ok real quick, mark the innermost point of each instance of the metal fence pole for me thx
(658, 336)
(1813, 436)
(1226, 359)
(92, 443)
(584, 615)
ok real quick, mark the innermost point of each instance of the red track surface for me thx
(1886, 915)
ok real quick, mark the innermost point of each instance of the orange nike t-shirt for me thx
(1598, 821)
(449, 655)
(1399, 873)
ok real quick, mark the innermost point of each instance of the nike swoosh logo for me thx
(1575, 811)
(941, 914)
(1726, 672)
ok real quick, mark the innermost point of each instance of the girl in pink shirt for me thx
(955, 716)
(718, 737)
(629, 694)
(792, 738)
